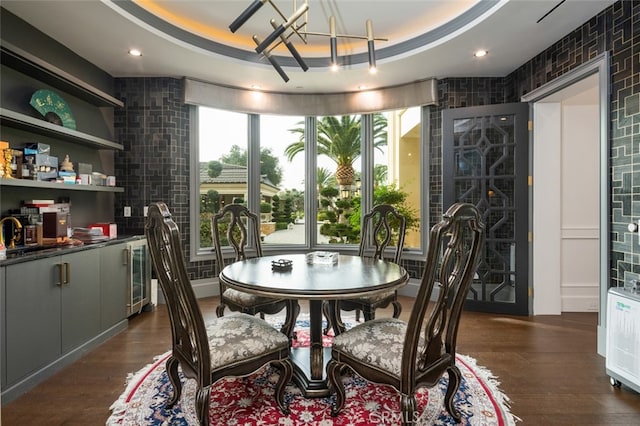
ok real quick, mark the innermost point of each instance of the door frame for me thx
(598, 65)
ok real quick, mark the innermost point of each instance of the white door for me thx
(566, 177)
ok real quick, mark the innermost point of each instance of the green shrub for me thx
(265, 208)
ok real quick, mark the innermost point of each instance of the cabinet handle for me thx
(60, 275)
(126, 253)
(67, 267)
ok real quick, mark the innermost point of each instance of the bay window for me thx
(309, 178)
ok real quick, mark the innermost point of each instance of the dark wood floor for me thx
(547, 365)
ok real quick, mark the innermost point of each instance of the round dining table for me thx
(294, 277)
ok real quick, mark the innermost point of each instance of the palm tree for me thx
(324, 178)
(380, 174)
(339, 138)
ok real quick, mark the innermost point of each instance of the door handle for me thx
(64, 273)
(67, 267)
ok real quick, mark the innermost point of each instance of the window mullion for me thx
(310, 186)
(367, 162)
(254, 177)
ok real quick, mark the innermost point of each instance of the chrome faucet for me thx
(17, 225)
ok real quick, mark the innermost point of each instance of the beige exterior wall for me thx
(404, 160)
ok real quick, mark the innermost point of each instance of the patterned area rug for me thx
(249, 400)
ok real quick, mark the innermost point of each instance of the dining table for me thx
(299, 276)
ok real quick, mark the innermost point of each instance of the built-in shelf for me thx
(24, 122)
(31, 65)
(25, 183)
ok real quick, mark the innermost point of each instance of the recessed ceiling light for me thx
(256, 87)
(480, 53)
(135, 52)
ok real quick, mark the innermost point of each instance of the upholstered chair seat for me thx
(240, 337)
(245, 299)
(379, 343)
(377, 297)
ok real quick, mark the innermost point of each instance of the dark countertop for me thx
(27, 254)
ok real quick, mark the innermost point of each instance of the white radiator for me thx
(623, 337)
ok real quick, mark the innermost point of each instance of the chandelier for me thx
(295, 26)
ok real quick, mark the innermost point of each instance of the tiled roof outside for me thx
(231, 173)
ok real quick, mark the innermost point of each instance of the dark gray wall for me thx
(158, 125)
(27, 37)
(154, 166)
(616, 30)
(16, 89)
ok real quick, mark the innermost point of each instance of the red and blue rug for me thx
(249, 400)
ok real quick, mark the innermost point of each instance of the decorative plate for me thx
(53, 108)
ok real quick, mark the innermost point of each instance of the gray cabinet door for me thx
(3, 345)
(80, 313)
(113, 284)
(32, 316)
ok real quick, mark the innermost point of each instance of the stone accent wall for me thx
(154, 166)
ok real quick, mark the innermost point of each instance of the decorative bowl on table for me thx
(281, 265)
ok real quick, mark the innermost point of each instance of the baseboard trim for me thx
(411, 289)
(579, 303)
(202, 288)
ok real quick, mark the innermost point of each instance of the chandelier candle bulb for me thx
(333, 43)
(372, 51)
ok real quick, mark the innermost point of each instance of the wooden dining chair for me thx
(237, 227)
(382, 237)
(414, 354)
(236, 345)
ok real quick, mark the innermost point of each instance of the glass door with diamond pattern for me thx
(485, 163)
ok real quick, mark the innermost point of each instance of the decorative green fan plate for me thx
(53, 108)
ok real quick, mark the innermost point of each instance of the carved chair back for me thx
(190, 344)
(381, 227)
(455, 248)
(242, 232)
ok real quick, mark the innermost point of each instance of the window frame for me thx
(310, 209)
